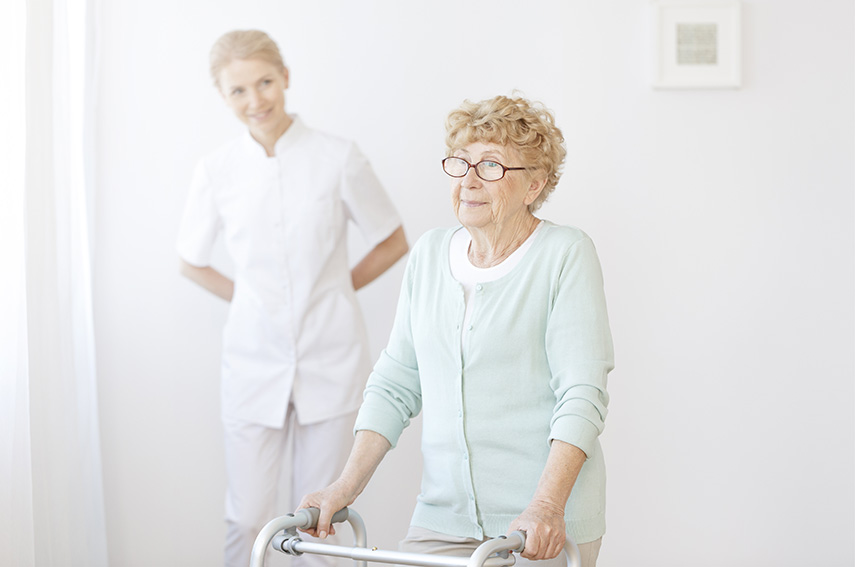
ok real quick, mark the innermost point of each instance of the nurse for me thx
(295, 353)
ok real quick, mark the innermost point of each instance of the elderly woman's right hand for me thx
(368, 450)
(329, 501)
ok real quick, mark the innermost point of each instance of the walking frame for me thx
(281, 534)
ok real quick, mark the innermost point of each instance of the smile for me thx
(260, 115)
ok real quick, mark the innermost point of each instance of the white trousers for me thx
(254, 459)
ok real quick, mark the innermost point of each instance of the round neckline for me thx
(522, 245)
(538, 235)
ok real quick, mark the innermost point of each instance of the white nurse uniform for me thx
(294, 345)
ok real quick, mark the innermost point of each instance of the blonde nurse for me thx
(295, 354)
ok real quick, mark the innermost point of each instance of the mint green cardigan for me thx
(535, 369)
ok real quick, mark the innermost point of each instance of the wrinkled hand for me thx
(543, 524)
(329, 501)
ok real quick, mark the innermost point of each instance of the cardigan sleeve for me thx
(579, 349)
(393, 392)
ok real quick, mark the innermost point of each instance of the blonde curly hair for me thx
(243, 44)
(526, 126)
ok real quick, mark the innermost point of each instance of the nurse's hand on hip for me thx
(208, 278)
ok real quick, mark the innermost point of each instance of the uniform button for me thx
(470, 327)
(479, 287)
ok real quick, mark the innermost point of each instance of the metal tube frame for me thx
(491, 553)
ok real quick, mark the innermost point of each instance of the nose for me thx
(254, 99)
(471, 178)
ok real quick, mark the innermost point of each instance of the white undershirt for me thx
(469, 276)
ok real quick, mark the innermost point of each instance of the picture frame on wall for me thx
(697, 45)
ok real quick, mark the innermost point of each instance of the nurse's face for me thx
(255, 91)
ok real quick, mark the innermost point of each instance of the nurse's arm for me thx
(369, 448)
(208, 278)
(543, 520)
(380, 259)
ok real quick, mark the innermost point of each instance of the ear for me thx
(285, 76)
(534, 190)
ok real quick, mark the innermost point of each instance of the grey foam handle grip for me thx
(314, 513)
(518, 534)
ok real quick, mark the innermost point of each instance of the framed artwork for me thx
(696, 44)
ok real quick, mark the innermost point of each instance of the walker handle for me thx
(517, 537)
(515, 541)
(315, 513)
(305, 518)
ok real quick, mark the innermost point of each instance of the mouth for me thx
(259, 116)
(465, 203)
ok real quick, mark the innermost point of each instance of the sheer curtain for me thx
(51, 496)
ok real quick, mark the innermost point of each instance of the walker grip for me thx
(314, 513)
(517, 536)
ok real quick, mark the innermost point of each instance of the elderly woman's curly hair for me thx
(528, 127)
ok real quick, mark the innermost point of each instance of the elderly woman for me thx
(501, 337)
(295, 353)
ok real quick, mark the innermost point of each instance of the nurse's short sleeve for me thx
(201, 222)
(368, 205)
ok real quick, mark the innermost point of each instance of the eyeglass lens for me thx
(486, 170)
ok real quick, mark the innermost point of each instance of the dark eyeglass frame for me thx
(470, 166)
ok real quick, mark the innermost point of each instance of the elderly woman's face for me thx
(490, 204)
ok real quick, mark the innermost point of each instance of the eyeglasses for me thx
(487, 170)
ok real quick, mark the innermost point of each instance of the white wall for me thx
(723, 220)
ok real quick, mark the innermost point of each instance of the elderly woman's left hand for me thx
(543, 524)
